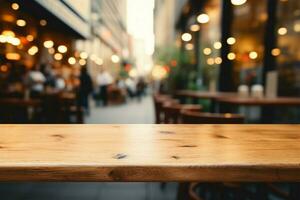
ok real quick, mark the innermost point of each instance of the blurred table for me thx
(150, 153)
(212, 96)
(269, 105)
(19, 102)
(277, 101)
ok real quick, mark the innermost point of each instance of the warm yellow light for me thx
(82, 62)
(58, 56)
(238, 2)
(2, 39)
(48, 44)
(159, 72)
(84, 55)
(15, 6)
(186, 37)
(217, 45)
(231, 41)
(203, 18)
(189, 46)
(210, 61)
(13, 56)
(297, 27)
(51, 50)
(14, 41)
(93, 57)
(21, 22)
(8, 33)
(276, 52)
(43, 22)
(195, 27)
(133, 73)
(99, 61)
(218, 60)
(33, 50)
(62, 49)
(115, 59)
(282, 31)
(207, 51)
(253, 55)
(231, 56)
(30, 38)
(72, 61)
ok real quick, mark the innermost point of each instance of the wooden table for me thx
(204, 94)
(278, 101)
(150, 153)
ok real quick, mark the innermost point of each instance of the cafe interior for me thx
(217, 68)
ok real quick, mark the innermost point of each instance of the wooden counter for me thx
(150, 153)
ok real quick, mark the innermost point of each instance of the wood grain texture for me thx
(150, 153)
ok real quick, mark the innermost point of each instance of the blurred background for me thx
(145, 61)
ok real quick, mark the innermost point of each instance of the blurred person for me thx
(60, 83)
(131, 87)
(85, 89)
(103, 80)
(36, 81)
(140, 88)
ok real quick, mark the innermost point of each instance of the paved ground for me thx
(132, 112)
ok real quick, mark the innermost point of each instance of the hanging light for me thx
(33, 50)
(186, 37)
(203, 18)
(15, 6)
(71, 60)
(29, 38)
(210, 61)
(238, 2)
(84, 55)
(276, 52)
(48, 44)
(231, 40)
(62, 49)
(189, 46)
(253, 55)
(82, 62)
(43, 22)
(217, 45)
(195, 27)
(207, 51)
(115, 58)
(21, 22)
(218, 60)
(282, 31)
(231, 56)
(58, 56)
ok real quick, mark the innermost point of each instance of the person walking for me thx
(85, 89)
(104, 79)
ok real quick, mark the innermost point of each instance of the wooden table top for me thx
(204, 94)
(150, 153)
(277, 101)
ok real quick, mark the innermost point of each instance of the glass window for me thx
(288, 52)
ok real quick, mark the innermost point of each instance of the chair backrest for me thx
(189, 117)
(159, 101)
(172, 111)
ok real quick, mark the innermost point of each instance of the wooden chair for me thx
(189, 117)
(159, 101)
(172, 111)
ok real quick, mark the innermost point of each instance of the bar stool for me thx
(159, 100)
(172, 111)
(189, 117)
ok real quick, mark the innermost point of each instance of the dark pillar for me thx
(270, 38)
(226, 82)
